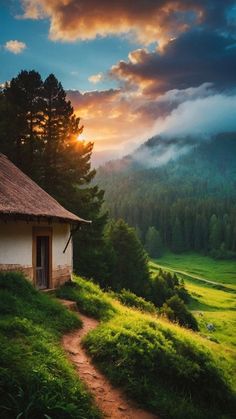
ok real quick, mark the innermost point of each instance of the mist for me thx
(204, 116)
(187, 126)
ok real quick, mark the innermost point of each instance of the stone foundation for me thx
(26, 270)
(60, 274)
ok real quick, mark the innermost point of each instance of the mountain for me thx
(184, 187)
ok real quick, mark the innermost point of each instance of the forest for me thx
(190, 201)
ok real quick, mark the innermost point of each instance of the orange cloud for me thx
(111, 118)
(149, 21)
(119, 120)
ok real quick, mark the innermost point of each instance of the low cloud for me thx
(203, 116)
(190, 124)
(162, 151)
(14, 46)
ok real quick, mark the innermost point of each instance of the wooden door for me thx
(42, 262)
(42, 257)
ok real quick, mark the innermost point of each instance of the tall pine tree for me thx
(24, 120)
(129, 267)
(39, 131)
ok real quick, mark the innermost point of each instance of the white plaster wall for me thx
(16, 243)
(60, 235)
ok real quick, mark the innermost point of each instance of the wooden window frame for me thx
(39, 232)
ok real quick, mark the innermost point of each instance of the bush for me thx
(132, 300)
(175, 310)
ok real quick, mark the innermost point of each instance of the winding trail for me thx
(110, 400)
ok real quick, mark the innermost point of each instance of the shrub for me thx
(175, 310)
(130, 299)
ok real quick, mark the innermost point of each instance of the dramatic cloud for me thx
(178, 82)
(16, 47)
(120, 120)
(148, 21)
(190, 60)
(110, 118)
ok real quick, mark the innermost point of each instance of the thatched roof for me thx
(22, 198)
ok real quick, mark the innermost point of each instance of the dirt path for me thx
(111, 401)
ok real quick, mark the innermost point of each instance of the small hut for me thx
(35, 230)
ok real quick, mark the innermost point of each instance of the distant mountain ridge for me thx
(185, 188)
(158, 151)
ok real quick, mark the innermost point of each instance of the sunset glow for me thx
(126, 70)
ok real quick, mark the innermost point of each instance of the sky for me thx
(132, 69)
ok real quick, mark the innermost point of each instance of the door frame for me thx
(39, 232)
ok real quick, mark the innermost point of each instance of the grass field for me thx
(209, 303)
(170, 370)
(202, 267)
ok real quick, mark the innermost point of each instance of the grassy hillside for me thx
(208, 303)
(170, 370)
(36, 380)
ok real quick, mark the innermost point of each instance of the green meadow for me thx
(211, 304)
(200, 267)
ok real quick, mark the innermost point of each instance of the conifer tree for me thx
(39, 131)
(153, 243)
(129, 267)
(23, 129)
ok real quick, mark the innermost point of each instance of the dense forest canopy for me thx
(190, 200)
